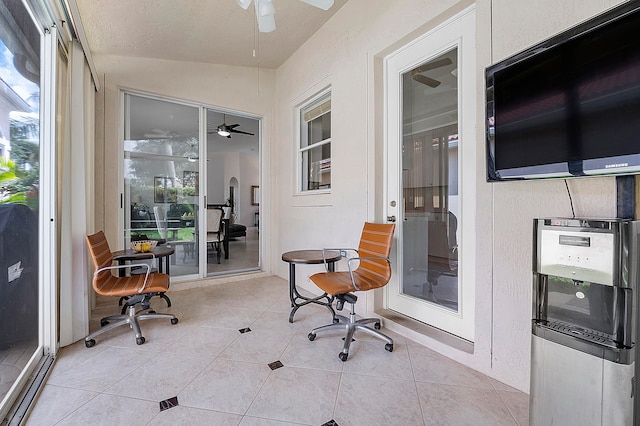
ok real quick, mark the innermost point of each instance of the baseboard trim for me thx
(418, 331)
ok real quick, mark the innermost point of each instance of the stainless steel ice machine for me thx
(585, 274)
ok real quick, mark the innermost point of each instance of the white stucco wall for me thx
(346, 54)
(343, 54)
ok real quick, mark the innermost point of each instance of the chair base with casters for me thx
(132, 290)
(125, 298)
(352, 325)
(131, 317)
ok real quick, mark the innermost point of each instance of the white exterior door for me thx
(431, 150)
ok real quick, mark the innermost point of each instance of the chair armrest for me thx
(342, 251)
(144, 265)
(353, 281)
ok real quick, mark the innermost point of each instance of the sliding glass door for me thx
(28, 66)
(161, 177)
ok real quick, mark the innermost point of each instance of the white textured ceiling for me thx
(210, 31)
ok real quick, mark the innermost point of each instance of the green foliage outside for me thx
(184, 234)
(19, 176)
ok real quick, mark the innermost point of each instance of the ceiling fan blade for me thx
(322, 4)
(232, 126)
(243, 3)
(266, 20)
(426, 80)
(240, 131)
(433, 65)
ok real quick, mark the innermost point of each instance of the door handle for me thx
(391, 218)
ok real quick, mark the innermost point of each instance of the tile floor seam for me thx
(337, 398)
(515, 420)
(97, 394)
(458, 385)
(253, 400)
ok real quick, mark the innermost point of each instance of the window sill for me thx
(316, 198)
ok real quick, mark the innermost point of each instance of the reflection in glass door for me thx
(161, 177)
(20, 192)
(429, 181)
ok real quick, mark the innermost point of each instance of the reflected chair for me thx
(442, 254)
(215, 230)
(160, 215)
(369, 268)
(135, 289)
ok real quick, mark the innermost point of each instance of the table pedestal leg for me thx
(294, 295)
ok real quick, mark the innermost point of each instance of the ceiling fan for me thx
(416, 73)
(265, 12)
(225, 129)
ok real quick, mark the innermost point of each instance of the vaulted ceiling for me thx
(210, 31)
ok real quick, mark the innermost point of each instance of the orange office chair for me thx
(373, 271)
(135, 289)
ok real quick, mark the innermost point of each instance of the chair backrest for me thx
(214, 220)
(160, 213)
(376, 241)
(100, 254)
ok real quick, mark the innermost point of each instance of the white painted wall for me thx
(346, 54)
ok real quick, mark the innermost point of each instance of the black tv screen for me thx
(569, 106)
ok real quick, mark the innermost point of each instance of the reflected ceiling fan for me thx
(226, 129)
(416, 73)
(161, 134)
(265, 12)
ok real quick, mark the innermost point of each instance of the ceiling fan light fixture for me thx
(224, 132)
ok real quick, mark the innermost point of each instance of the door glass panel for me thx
(161, 177)
(430, 181)
(233, 173)
(19, 195)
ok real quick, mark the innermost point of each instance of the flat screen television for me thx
(568, 106)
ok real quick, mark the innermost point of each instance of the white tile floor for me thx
(221, 376)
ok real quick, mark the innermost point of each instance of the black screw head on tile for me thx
(330, 423)
(244, 330)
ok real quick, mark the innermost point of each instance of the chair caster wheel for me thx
(103, 322)
(174, 321)
(336, 320)
(389, 347)
(343, 357)
(89, 343)
(376, 326)
(311, 337)
(139, 340)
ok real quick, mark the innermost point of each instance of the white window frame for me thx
(303, 178)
